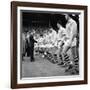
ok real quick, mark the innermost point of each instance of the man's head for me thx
(59, 23)
(67, 16)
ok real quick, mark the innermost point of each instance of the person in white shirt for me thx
(61, 35)
(52, 36)
(71, 30)
(70, 39)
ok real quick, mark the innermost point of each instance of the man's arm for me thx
(34, 40)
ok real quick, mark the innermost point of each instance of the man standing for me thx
(31, 45)
(70, 39)
(71, 31)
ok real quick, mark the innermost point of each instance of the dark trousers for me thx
(32, 54)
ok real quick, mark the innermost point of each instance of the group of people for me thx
(63, 38)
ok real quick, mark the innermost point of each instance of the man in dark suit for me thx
(31, 44)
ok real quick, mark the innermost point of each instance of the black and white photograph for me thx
(49, 44)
